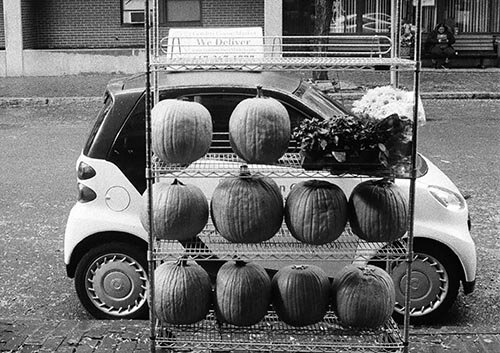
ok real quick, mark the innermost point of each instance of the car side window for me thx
(221, 106)
(129, 149)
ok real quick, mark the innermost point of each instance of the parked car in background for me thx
(105, 244)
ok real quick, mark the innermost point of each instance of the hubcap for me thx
(116, 284)
(429, 285)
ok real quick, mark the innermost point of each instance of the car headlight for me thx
(449, 199)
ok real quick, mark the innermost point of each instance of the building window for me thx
(471, 16)
(133, 11)
(183, 10)
(170, 12)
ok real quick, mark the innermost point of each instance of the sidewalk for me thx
(434, 84)
(97, 336)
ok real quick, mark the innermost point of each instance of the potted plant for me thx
(380, 102)
(356, 144)
(407, 40)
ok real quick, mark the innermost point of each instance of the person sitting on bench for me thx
(440, 43)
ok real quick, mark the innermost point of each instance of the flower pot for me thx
(341, 162)
(406, 52)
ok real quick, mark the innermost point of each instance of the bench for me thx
(476, 46)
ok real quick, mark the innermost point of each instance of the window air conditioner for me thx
(134, 16)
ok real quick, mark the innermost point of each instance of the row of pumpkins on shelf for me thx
(259, 130)
(249, 208)
(361, 297)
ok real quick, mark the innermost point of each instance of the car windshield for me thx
(317, 100)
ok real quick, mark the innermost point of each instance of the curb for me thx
(43, 101)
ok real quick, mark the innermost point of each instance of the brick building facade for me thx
(54, 37)
(91, 34)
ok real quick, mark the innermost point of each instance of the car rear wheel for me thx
(111, 281)
(435, 282)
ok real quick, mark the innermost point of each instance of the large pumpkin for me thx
(180, 211)
(181, 131)
(243, 293)
(378, 211)
(316, 212)
(301, 294)
(183, 292)
(364, 296)
(247, 208)
(259, 129)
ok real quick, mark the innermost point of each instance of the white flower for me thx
(380, 102)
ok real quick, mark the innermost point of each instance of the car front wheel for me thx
(111, 281)
(435, 282)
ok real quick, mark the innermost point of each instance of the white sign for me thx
(425, 2)
(214, 42)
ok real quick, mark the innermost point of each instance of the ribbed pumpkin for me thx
(183, 292)
(247, 208)
(301, 294)
(316, 212)
(364, 296)
(243, 293)
(181, 131)
(378, 211)
(259, 129)
(180, 211)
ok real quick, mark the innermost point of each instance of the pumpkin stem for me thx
(182, 261)
(244, 172)
(240, 263)
(386, 181)
(177, 182)
(259, 92)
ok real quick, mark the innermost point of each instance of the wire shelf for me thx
(211, 246)
(291, 165)
(272, 335)
(282, 64)
(278, 53)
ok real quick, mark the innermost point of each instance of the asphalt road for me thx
(40, 145)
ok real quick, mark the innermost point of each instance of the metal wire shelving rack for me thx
(302, 54)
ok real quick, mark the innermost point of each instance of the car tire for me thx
(435, 283)
(111, 281)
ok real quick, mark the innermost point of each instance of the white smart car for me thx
(105, 245)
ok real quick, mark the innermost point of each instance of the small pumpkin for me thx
(243, 293)
(316, 212)
(180, 211)
(247, 208)
(181, 131)
(301, 294)
(259, 129)
(183, 292)
(378, 211)
(364, 296)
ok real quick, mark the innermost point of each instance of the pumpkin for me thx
(378, 211)
(364, 296)
(183, 292)
(181, 131)
(180, 211)
(247, 208)
(316, 212)
(259, 129)
(301, 294)
(243, 293)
